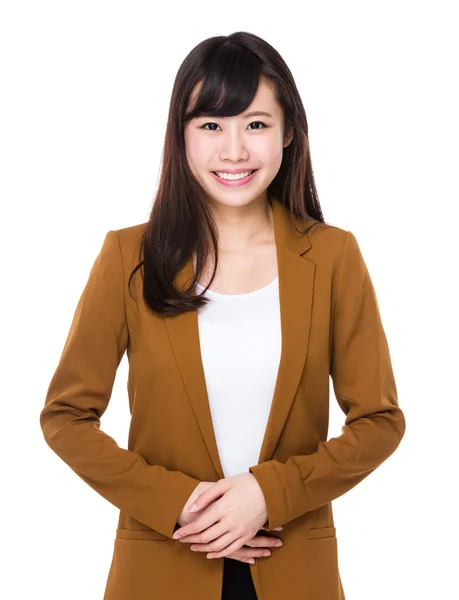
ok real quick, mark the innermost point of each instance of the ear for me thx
(288, 136)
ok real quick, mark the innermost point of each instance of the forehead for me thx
(264, 98)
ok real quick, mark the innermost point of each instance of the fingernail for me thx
(279, 543)
(266, 553)
(193, 507)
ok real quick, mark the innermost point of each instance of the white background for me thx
(85, 88)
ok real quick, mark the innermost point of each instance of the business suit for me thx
(331, 326)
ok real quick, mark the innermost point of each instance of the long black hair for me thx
(229, 70)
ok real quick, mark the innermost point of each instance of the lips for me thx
(235, 182)
(229, 172)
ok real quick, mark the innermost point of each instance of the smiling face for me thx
(250, 141)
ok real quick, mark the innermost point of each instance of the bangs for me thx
(229, 83)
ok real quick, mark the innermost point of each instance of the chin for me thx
(235, 200)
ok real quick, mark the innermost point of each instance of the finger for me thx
(217, 534)
(249, 559)
(209, 496)
(231, 549)
(215, 543)
(260, 541)
(271, 541)
(191, 530)
(254, 552)
(245, 553)
(256, 542)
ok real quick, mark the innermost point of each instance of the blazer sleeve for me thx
(78, 396)
(365, 389)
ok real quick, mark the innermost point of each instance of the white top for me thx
(240, 340)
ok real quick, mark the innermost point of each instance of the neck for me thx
(242, 227)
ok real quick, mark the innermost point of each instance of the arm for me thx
(78, 396)
(365, 389)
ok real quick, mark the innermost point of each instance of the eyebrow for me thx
(253, 113)
(257, 113)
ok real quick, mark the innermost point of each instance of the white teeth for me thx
(233, 176)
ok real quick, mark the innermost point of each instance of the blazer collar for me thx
(296, 277)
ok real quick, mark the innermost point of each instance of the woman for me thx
(235, 302)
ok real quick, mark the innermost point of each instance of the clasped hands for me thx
(228, 515)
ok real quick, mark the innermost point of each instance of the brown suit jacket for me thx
(331, 326)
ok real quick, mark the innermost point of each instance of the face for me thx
(218, 146)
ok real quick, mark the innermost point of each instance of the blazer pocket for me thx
(321, 532)
(140, 534)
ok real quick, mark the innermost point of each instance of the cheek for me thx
(269, 150)
(197, 150)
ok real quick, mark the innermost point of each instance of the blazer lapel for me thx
(296, 278)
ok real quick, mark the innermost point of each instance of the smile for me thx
(232, 179)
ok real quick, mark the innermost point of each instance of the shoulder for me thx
(332, 248)
(130, 239)
(130, 234)
(124, 244)
(326, 239)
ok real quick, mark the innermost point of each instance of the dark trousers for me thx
(237, 581)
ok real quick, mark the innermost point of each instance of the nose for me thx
(233, 146)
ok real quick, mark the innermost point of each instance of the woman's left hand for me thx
(238, 512)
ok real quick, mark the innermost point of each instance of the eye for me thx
(204, 126)
(259, 122)
(210, 123)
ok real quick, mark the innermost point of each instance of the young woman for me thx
(235, 303)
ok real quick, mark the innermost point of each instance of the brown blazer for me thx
(331, 326)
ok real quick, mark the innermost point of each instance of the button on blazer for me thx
(331, 329)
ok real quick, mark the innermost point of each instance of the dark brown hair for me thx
(180, 223)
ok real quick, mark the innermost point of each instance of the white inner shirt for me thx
(240, 341)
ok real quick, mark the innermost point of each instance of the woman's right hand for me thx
(257, 547)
